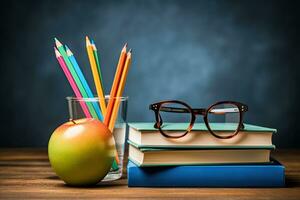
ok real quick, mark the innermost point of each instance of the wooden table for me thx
(26, 174)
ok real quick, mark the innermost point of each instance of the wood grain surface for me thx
(27, 174)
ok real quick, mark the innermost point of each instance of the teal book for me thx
(145, 135)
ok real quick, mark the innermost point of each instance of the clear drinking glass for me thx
(119, 132)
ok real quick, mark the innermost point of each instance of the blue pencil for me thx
(83, 81)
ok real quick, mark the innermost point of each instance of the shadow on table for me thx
(290, 182)
(120, 182)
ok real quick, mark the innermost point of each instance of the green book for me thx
(144, 135)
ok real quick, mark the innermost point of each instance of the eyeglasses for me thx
(223, 119)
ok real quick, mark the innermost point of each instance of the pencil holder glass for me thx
(76, 111)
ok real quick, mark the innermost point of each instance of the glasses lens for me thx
(176, 119)
(224, 119)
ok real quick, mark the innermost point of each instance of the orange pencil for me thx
(114, 88)
(96, 77)
(120, 91)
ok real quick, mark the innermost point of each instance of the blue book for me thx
(241, 175)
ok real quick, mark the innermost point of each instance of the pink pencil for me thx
(72, 82)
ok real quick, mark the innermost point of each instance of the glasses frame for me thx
(157, 107)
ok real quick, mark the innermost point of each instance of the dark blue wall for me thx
(196, 51)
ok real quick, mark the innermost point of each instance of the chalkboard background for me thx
(195, 51)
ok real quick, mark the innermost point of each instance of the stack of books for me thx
(201, 160)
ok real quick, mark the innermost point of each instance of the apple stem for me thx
(72, 121)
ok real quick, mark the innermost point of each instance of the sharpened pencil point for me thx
(125, 47)
(94, 47)
(57, 42)
(57, 54)
(68, 51)
(88, 42)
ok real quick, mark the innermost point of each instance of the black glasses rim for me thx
(158, 116)
(157, 106)
(239, 105)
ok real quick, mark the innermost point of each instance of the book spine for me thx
(207, 176)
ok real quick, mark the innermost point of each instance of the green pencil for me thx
(75, 76)
(95, 51)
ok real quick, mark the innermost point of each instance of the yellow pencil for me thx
(120, 91)
(99, 89)
(96, 76)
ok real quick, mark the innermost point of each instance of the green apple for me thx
(81, 151)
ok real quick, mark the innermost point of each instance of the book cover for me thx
(149, 157)
(145, 135)
(149, 126)
(186, 147)
(258, 175)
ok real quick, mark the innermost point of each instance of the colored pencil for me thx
(72, 82)
(119, 94)
(75, 76)
(95, 51)
(99, 90)
(83, 81)
(96, 76)
(120, 88)
(114, 88)
(120, 91)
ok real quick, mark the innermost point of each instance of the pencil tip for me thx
(68, 51)
(94, 47)
(130, 51)
(57, 52)
(57, 42)
(88, 42)
(125, 47)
